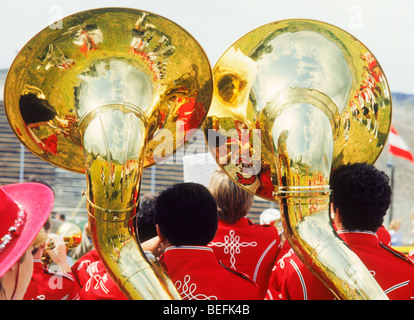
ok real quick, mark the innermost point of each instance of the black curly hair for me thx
(362, 195)
(145, 217)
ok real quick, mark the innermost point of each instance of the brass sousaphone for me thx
(106, 93)
(293, 100)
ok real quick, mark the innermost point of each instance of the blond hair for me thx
(233, 203)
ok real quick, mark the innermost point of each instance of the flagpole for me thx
(391, 166)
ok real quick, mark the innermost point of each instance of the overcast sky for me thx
(386, 27)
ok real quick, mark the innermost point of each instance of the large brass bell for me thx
(293, 100)
(111, 92)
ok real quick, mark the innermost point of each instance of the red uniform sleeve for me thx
(101, 287)
(48, 285)
(95, 282)
(85, 264)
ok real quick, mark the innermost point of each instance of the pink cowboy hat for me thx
(24, 209)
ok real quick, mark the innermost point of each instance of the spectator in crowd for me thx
(394, 229)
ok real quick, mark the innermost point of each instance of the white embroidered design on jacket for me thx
(187, 290)
(232, 246)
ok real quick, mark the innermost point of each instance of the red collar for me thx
(37, 264)
(241, 223)
(358, 236)
(188, 251)
(202, 248)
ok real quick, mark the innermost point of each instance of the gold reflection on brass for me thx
(317, 98)
(113, 91)
(108, 54)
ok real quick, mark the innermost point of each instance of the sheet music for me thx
(198, 168)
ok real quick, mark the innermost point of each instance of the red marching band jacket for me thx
(393, 271)
(198, 275)
(249, 248)
(273, 292)
(195, 271)
(48, 285)
(95, 282)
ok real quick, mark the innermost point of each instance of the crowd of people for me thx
(204, 240)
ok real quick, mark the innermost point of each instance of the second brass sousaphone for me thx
(111, 92)
(293, 100)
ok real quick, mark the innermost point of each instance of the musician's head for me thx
(361, 196)
(186, 214)
(233, 203)
(145, 217)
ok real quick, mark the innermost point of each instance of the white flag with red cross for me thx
(398, 147)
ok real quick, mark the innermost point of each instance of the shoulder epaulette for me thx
(238, 273)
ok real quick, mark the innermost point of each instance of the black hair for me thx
(186, 214)
(362, 195)
(42, 181)
(145, 217)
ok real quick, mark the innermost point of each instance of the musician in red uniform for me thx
(283, 258)
(243, 245)
(48, 284)
(272, 216)
(186, 220)
(95, 282)
(57, 283)
(361, 197)
(24, 209)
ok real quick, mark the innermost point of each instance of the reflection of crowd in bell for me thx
(88, 38)
(142, 34)
(117, 177)
(55, 58)
(366, 100)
